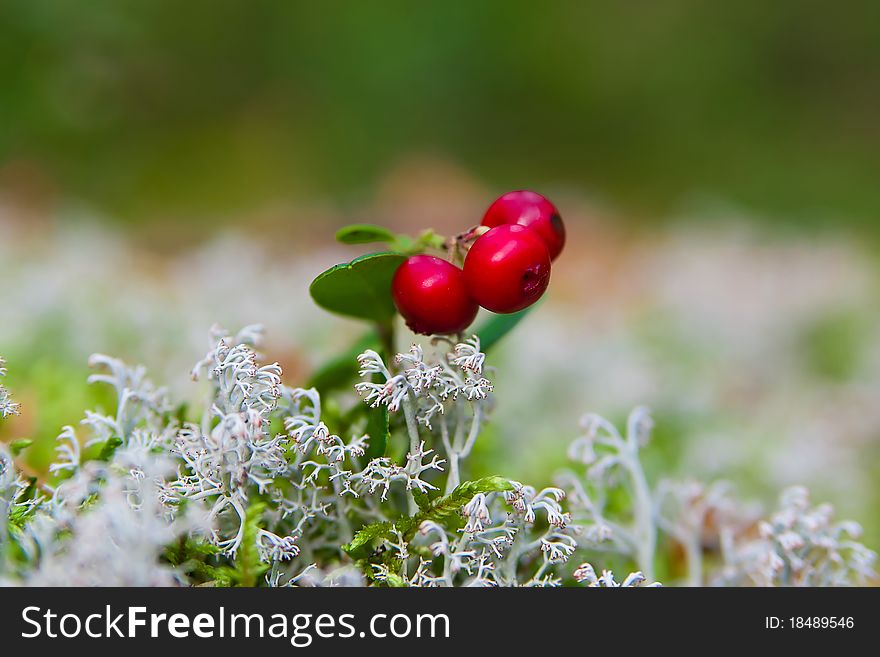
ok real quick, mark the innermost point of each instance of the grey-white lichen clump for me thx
(265, 485)
(586, 574)
(798, 545)
(7, 406)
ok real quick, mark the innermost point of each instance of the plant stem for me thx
(454, 477)
(461, 447)
(386, 339)
(344, 526)
(694, 553)
(412, 429)
(644, 516)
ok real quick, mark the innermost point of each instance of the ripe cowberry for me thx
(431, 295)
(507, 269)
(531, 210)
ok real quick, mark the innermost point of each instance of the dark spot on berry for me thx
(556, 222)
(531, 280)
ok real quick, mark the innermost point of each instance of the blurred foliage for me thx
(834, 345)
(148, 109)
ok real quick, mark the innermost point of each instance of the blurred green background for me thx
(165, 165)
(152, 110)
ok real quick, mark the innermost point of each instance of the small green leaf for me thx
(18, 446)
(364, 234)
(395, 581)
(444, 508)
(19, 514)
(438, 510)
(360, 288)
(190, 548)
(497, 326)
(378, 430)
(109, 448)
(30, 491)
(423, 500)
(248, 568)
(367, 534)
(431, 240)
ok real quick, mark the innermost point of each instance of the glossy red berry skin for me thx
(507, 269)
(431, 295)
(531, 210)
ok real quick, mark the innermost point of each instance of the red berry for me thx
(507, 269)
(531, 210)
(431, 295)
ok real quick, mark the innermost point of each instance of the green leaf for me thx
(19, 514)
(248, 568)
(439, 510)
(342, 370)
(444, 508)
(431, 240)
(360, 288)
(188, 548)
(395, 581)
(367, 534)
(378, 430)
(30, 491)
(423, 500)
(18, 446)
(191, 555)
(497, 326)
(109, 448)
(364, 234)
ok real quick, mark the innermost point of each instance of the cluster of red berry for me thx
(506, 269)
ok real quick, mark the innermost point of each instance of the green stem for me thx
(386, 339)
